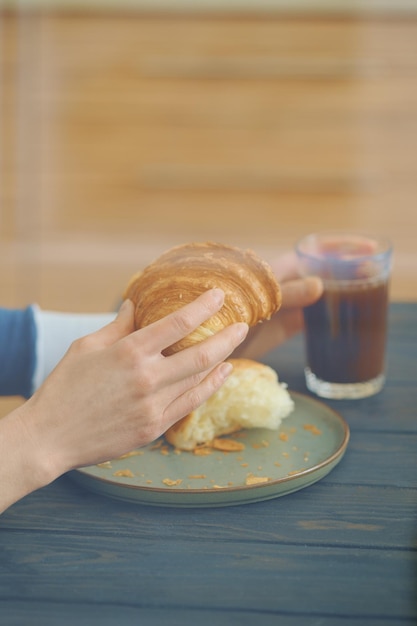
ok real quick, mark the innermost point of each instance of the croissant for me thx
(251, 397)
(184, 272)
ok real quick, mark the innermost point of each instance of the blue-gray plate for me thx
(309, 444)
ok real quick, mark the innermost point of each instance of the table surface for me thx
(343, 550)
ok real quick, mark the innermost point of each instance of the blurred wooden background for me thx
(125, 133)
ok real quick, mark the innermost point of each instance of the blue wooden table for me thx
(339, 552)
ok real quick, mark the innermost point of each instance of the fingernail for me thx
(225, 369)
(125, 305)
(218, 295)
(242, 329)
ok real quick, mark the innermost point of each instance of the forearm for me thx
(21, 470)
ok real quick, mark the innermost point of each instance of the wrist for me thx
(24, 467)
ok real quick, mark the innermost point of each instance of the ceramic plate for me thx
(309, 444)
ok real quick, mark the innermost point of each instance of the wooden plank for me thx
(43, 613)
(208, 574)
(329, 513)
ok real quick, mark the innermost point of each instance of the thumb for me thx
(122, 325)
(125, 321)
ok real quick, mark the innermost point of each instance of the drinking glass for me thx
(346, 329)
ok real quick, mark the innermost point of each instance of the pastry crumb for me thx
(302, 469)
(131, 453)
(202, 451)
(125, 473)
(227, 445)
(172, 483)
(251, 479)
(312, 429)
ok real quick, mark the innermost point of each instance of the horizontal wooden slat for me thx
(311, 517)
(138, 571)
(85, 614)
(134, 132)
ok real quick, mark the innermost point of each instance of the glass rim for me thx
(384, 243)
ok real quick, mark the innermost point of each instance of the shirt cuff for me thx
(17, 351)
(55, 332)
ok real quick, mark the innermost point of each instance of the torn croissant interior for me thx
(252, 397)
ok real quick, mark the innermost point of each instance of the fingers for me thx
(193, 397)
(190, 366)
(285, 267)
(296, 294)
(301, 292)
(186, 379)
(266, 337)
(189, 377)
(182, 322)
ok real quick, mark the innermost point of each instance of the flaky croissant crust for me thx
(181, 274)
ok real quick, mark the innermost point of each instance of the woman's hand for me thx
(296, 293)
(113, 391)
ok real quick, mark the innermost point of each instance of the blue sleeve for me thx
(17, 351)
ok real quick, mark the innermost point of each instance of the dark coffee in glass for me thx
(346, 329)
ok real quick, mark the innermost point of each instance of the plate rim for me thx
(215, 495)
